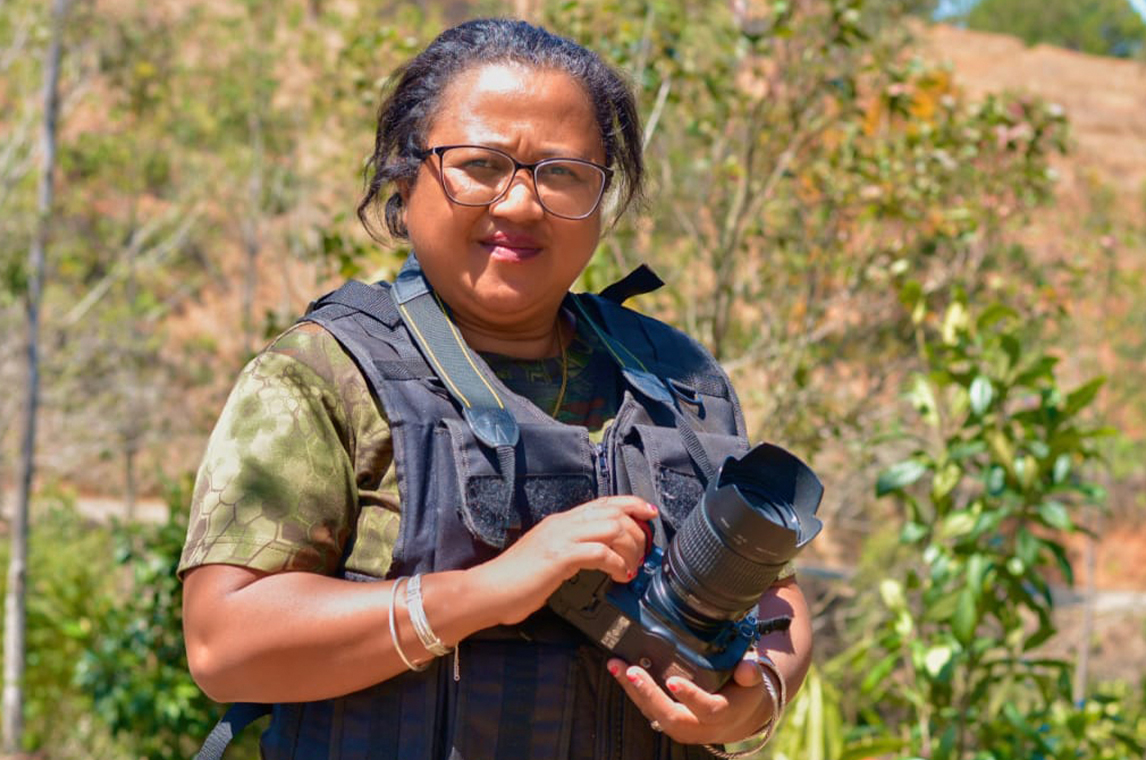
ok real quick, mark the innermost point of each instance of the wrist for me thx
(454, 605)
(494, 604)
(776, 691)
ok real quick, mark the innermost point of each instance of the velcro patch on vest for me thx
(537, 497)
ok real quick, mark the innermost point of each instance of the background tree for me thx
(1100, 27)
(15, 599)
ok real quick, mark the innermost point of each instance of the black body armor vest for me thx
(468, 488)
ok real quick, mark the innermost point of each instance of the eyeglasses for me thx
(473, 175)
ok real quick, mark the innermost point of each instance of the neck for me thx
(538, 340)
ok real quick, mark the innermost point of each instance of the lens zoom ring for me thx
(702, 558)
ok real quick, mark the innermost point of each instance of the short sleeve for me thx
(276, 490)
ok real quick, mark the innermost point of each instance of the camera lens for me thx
(752, 520)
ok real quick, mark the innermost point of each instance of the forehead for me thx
(518, 107)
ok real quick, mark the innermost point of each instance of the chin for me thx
(506, 299)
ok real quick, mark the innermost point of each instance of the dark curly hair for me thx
(413, 92)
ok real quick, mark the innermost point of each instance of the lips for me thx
(507, 247)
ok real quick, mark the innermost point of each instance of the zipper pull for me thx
(457, 663)
(603, 463)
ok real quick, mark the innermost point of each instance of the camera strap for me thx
(458, 368)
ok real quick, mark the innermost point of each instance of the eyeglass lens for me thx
(477, 176)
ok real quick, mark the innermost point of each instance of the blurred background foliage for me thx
(846, 229)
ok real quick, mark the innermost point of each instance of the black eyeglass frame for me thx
(439, 150)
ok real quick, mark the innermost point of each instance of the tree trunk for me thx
(130, 428)
(130, 489)
(250, 230)
(14, 601)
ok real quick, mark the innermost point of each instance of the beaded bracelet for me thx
(779, 702)
(394, 627)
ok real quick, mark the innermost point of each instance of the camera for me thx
(690, 610)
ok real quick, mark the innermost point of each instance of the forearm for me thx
(791, 650)
(295, 637)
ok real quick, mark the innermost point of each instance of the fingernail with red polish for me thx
(634, 679)
(630, 574)
(614, 670)
(653, 507)
(674, 687)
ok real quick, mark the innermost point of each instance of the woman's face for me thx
(505, 267)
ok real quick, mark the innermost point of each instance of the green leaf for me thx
(966, 617)
(1080, 397)
(947, 743)
(993, 314)
(954, 322)
(977, 566)
(922, 397)
(1026, 470)
(912, 532)
(1026, 546)
(879, 672)
(911, 295)
(1041, 635)
(899, 476)
(958, 524)
(1061, 469)
(866, 748)
(1054, 514)
(982, 394)
(1001, 447)
(996, 480)
(891, 591)
(1041, 369)
(961, 450)
(937, 658)
(942, 609)
(1012, 347)
(1061, 559)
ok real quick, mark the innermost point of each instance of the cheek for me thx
(587, 235)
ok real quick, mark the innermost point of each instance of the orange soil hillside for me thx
(1104, 98)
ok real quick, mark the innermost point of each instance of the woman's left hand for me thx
(690, 715)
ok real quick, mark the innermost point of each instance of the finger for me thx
(704, 705)
(653, 701)
(633, 506)
(639, 509)
(621, 535)
(598, 556)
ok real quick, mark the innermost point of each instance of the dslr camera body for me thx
(690, 610)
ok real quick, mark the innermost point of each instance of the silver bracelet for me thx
(426, 634)
(394, 627)
(779, 702)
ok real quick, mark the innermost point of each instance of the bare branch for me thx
(655, 115)
(123, 267)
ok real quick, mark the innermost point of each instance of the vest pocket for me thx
(553, 473)
(659, 468)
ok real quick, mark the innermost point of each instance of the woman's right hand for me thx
(605, 534)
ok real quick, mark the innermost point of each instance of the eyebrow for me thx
(540, 155)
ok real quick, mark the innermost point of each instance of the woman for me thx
(496, 145)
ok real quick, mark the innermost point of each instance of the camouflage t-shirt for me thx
(302, 454)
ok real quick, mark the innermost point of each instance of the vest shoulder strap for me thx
(358, 297)
(655, 347)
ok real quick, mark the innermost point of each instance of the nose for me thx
(520, 201)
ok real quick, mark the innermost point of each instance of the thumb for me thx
(748, 672)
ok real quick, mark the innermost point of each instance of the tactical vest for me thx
(469, 486)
